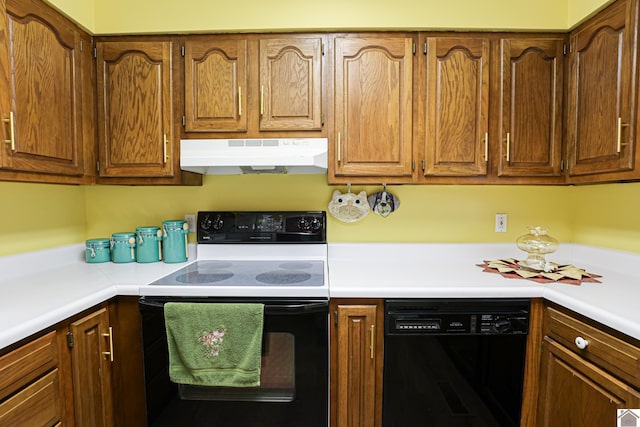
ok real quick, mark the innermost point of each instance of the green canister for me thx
(149, 244)
(98, 250)
(176, 248)
(123, 247)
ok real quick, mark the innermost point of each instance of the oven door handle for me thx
(296, 308)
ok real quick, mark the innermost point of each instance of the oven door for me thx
(294, 376)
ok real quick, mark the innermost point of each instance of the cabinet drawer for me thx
(27, 363)
(606, 351)
(37, 405)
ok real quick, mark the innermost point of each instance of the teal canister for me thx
(98, 250)
(123, 247)
(149, 244)
(175, 247)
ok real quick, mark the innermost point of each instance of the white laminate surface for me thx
(42, 288)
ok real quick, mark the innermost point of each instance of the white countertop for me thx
(42, 288)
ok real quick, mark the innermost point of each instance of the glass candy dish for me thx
(537, 243)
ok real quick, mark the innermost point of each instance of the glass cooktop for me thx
(247, 273)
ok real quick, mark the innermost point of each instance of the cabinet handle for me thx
(166, 154)
(239, 100)
(110, 352)
(373, 341)
(12, 132)
(339, 148)
(486, 146)
(508, 146)
(262, 100)
(619, 139)
(581, 343)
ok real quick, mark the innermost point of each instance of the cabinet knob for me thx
(581, 343)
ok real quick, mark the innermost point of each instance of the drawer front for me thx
(26, 363)
(37, 405)
(608, 352)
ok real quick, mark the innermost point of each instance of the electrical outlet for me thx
(191, 220)
(501, 223)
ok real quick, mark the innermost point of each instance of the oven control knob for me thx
(218, 223)
(205, 224)
(303, 224)
(502, 325)
(315, 224)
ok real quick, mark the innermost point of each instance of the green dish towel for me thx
(214, 344)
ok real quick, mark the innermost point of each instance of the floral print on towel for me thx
(212, 341)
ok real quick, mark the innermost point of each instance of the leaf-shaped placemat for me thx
(509, 268)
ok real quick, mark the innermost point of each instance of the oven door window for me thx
(277, 376)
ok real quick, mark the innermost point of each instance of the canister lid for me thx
(147, 230)
(98, 243)
(175, 224)
(124, 237)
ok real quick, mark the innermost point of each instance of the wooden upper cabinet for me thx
(291, 84)
(42, 121)
(457, 106)
(373, 107)
(531, 85)
(216, 85)
(135, 109)
(601, 106)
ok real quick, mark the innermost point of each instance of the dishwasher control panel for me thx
(456, 316)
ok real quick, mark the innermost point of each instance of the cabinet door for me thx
(291, 84)
(457, 101)
(601, 103)
(358, 353)
(135, 108)
(91, 357)
(373, 107)
(530, 118)
(575, 392)
(42, 126)
(215, 85)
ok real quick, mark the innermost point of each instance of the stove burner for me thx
(282, 277)
(217, 276)
(296, 265)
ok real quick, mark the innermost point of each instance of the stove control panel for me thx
(262, 227)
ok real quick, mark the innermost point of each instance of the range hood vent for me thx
(241, 156)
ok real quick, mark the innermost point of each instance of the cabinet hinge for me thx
(95, 52)
(70, 339)
(182, 50)
(184, 120)
(322, 49)
(424, 48)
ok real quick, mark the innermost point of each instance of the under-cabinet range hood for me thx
(238, 156)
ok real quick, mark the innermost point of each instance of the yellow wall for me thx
(153, 16)
(38, 216)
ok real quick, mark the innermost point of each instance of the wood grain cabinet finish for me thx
(91, 356)
(602, 94)
(373, 104)
(30, 389)
(41, 110)
(216, 85)
(135, 109)
(291, 84)
(253, 85)
(456, 106)
(530, 98)
(357, 335)
(584, 386)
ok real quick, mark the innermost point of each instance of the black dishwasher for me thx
(454, 362)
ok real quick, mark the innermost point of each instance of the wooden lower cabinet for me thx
(91, 356)
(357, 335)
(585, 386)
